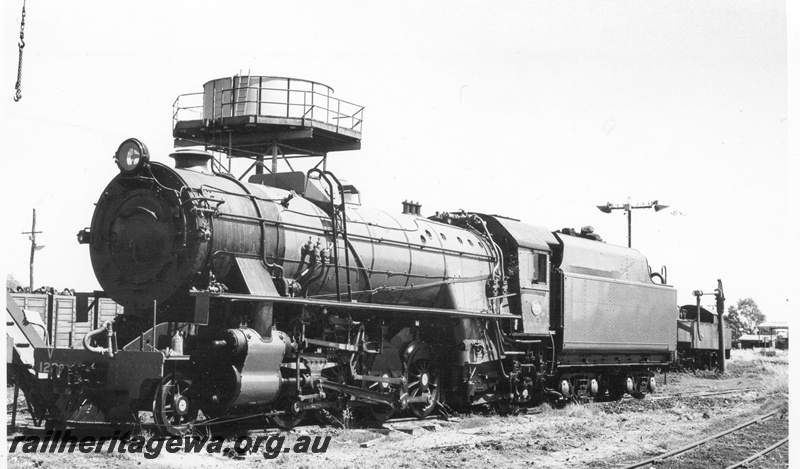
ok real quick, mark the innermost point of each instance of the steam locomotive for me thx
(283, 297)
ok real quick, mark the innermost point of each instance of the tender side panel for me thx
(610, 306)
(603, 316)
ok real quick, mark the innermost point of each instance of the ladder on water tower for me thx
(241, 93)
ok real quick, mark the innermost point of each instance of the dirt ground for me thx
(601, 435)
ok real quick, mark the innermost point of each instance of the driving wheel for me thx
(422, 378)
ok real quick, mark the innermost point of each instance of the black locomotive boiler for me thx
(283, 297)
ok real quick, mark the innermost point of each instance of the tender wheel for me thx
(617, 388)
(422, 377)
(640, 386)
(288, 415)
(173, 411)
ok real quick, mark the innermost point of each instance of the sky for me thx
(534, 110)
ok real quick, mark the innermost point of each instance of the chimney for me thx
(193, 160)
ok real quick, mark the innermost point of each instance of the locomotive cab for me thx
(528, 253)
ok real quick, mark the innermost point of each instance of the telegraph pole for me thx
(32, 236)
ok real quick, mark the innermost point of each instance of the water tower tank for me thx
(266, 96)
(247, 115)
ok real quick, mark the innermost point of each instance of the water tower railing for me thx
(260, 101)
(183, 111)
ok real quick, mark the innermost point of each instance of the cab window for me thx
(532, 268)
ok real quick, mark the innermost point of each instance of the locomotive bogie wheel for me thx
(173, 411)
(422, 377)
(286, 415)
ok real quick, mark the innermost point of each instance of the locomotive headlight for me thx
(131, 155)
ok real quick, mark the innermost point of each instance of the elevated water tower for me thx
(259, 117)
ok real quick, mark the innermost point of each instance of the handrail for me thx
(336, 210)
(341, 208)
(334, 111)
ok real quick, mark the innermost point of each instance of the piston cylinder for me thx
(248, 370)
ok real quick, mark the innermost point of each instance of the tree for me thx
(745, 317)
(11, 283)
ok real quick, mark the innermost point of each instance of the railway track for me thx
(149, 425)
(702, 393)
(388, 423)
(663, 457)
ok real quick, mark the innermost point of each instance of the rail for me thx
(759, 454)
(704, 440)
(703, 393)
(255, 100)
